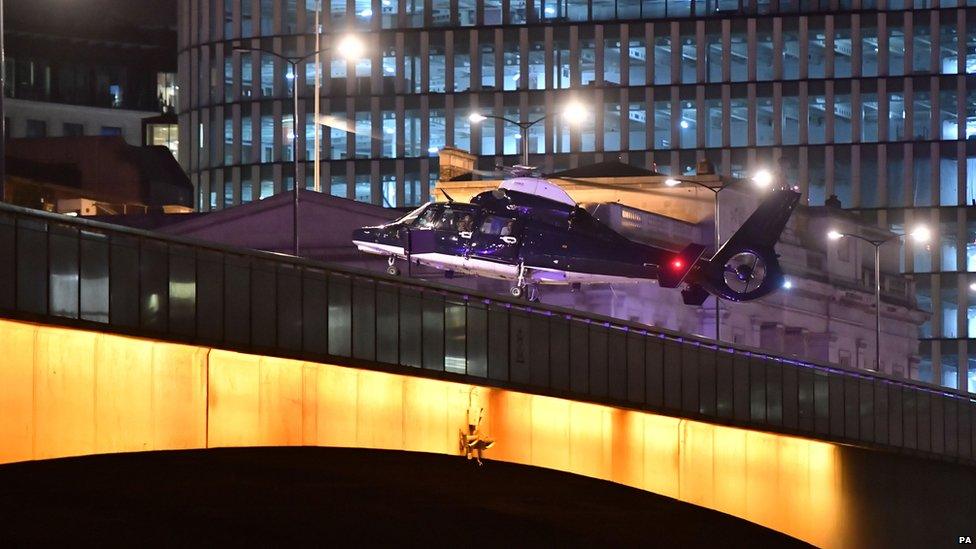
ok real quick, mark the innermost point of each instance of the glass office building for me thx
(873, 101)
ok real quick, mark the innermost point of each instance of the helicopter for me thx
(530, 232)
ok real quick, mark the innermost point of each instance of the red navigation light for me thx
(677, 264)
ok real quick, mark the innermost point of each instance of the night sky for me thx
(93, 14)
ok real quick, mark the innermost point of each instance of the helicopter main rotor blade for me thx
(645, 188)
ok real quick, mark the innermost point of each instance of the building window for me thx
(115, 131)
(339, 186)
(364, 191)
(949, 47)
(662, 60)
(73, 130)
(267, 138)
(37, 128)
(662, 124)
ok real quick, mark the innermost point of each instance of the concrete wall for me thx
(56, 115)
(71, 392)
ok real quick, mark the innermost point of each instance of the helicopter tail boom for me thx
(678, 267)
(746, 266)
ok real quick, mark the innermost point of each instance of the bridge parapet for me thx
(67, 271)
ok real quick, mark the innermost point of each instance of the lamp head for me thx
(476, 117)
(351, 47)
(763, 178)
(835, 235)
(671, 182)
(921, 234)
(574, 112)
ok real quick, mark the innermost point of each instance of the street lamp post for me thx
(762, 179)
(920, 234)
(574, 112)
(350, 47)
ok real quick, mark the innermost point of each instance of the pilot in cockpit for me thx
(508, 229)
(466, 225)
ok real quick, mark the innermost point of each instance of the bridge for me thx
(116, 339)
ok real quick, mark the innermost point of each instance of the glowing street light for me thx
(350, 47)
(573, 112)
(919, 234)
(763, 178)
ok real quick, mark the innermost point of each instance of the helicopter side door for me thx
(497, 238)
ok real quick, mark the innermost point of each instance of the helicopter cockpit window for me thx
(498, 226)
(429, 218)
(413, 215)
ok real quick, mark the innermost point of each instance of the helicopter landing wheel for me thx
(517, 291)
(391, 268)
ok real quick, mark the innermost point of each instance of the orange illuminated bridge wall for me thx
(72, 392)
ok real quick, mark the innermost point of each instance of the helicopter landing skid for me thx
(522, 288)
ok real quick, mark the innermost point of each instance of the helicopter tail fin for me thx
(678, 266)
(746, 266)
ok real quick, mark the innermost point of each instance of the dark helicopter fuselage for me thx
(530, 231)
(499, 232)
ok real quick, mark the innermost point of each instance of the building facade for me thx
(873, 101)
(72, 81)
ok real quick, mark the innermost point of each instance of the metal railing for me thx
(65, 270)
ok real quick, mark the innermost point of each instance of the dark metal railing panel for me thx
(636, 349)
(520, 344)
(579, 356)
(967, 429)
(263, 304)
(455, 336)
(8, 262)
(387, 324)
(791, 396)
(67, 270)
(882, 412)
(340, 315)
(539, 345)
(866, 411)
(707, 388)
(210, 297)
(411, 327)
(315, 312)
(559, 353)
(477, 339)
(432, 338)
(724, 385)
(364, 319)
(617, 365)
(182, 290)
(94, 294)
(498, 342)
(690, 379)
(64, 271)
(597, 360)
(289, 308)
(32, 267)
